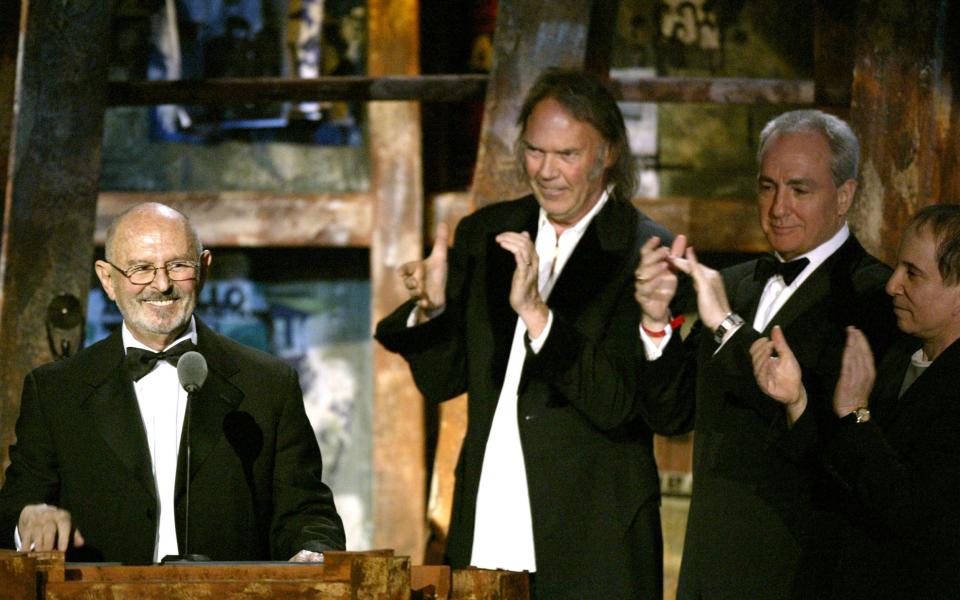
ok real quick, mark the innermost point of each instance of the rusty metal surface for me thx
(258, 219)
(399, 472)
(50, 204)
(902, 104)
(524, 43)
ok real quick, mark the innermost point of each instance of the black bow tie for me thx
(768, 265)
(139, 362)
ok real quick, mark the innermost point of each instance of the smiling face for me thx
(564, 160)
(156, 313)
(926, 307)
(800, 205)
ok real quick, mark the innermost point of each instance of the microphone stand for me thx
(186, 556)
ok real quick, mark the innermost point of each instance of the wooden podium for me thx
(343, 576)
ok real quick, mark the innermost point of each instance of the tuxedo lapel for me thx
(499, 275)
(215, 400)
(927, 393)
(746, 296)
(815, 289)
(597, 260)
(112, 407)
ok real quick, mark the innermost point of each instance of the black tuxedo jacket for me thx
(593, 485)
(755, 480)
(899, 478)
(255, 473)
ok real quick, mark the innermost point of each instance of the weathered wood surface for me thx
(524, 43)
(374, 574)
(399, 472)
(431, 582)
(713, 90)
(711, 224)
(471, 86)
(905, 111)
(18, 576)
(833, 42)
(345, 575)
(9, 37)
(483, 584)
(257, 219)
(345, 220)
(426, 88)
(50, 198)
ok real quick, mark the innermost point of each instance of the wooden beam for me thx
(459, 88)
(727, 225)
(905, 114)
(524, 43)
(399, 470)
(833, 52)
(50, 201)
(427, 88)
(9, 38)
(713, 90)
(258, 219)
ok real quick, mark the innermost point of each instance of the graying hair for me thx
(844, 147)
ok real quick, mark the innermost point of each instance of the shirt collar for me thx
(129, 341)
(822, 252)
(580, 226)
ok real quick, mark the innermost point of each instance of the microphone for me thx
(192, 373)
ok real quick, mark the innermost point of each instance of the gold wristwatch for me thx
(862, 414)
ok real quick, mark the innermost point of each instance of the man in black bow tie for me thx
(98, 468)
(754, 500)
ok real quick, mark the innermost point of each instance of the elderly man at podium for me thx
(116, 461)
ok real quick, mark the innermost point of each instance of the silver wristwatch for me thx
(729, 322)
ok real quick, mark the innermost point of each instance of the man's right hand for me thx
(656, 280)
(43, 527)
(857, 374)
(426, 280)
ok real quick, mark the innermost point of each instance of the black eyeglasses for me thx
(177, 270)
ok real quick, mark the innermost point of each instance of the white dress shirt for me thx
(163, 404)
(503, 527)
(776, 292)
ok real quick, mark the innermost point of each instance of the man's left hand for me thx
(305, 556)
(778, 373)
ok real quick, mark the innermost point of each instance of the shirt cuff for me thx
(412, 319)
(537, 343)
(727, 336)
(652, 350)
(18, 544)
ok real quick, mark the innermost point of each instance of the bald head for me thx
(154, 270)
(147, 215)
